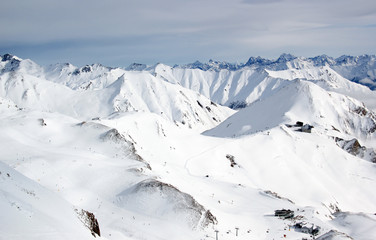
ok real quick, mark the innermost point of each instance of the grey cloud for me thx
(261, 1)
(179, 29)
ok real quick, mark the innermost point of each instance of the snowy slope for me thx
(306, 102)
(139, 91)
(30, 211)
(118, 149)
(359, 69)
(92, 166)
(242, 85)
(330, 80)
(96, 91)
(224, 87)
(93, 76)
(134, 179)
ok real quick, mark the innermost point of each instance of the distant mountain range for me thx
(360, 69)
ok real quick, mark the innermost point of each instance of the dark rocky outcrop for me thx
(237, 105)
(369, 115)
(232, 160)
(89, 220)
(6, 57)
(353, 147)
(276, 195)
(42, 122)
(113, 135)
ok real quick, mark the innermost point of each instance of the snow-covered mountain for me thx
(96, 91)
(359, 69)
(300, 100)
(109, 153)
(246, 84)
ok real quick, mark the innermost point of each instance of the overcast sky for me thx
(120, 32)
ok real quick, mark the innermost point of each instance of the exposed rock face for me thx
(168, 203)
(334, 235)
(208, 219)
(12, 65)
(232, 160)
(136, 67)
(276, 195)
(353, 147)
(89, 220)
(369, 116)
(42, 122)
(237, 105)
(6, 57)
(114, 136)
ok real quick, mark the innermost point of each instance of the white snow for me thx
(119, 149)
(30, 211)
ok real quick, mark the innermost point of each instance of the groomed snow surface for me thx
(152, 159)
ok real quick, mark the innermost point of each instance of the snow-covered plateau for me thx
(269, 149)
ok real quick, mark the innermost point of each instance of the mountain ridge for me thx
(154, 152)
(96, 91)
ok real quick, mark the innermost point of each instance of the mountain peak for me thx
(322, 60)
(136, 67)
(285, 57)
(212, 65)
(9, 57)
(11, 62)
(6, 57)
(257, 60)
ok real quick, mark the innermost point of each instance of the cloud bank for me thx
(119, 32)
